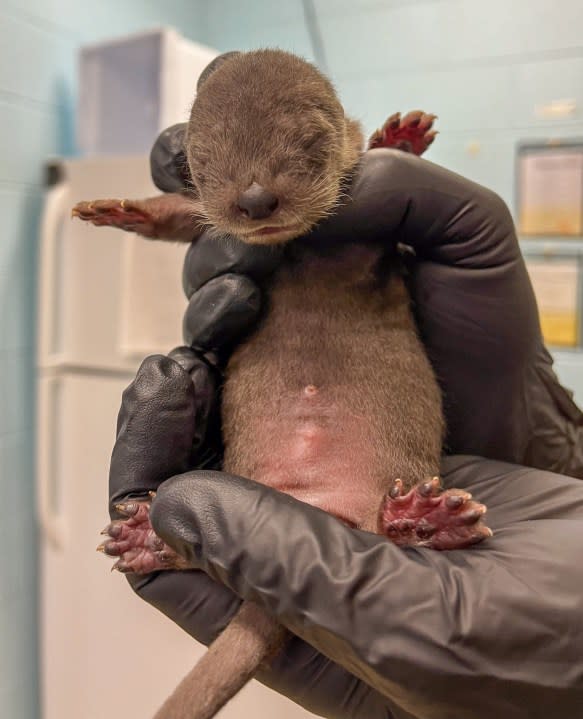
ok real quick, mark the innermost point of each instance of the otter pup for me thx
(306, 410)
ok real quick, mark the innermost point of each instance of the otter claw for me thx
(128, 509)
(430, 488)
(455, 501)
(396, 489)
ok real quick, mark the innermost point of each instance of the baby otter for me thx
(332, 399)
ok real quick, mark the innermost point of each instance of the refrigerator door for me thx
(105, 652)
(102, 647)
(107, 298)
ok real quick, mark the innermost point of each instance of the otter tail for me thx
(252, 637)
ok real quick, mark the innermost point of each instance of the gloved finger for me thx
(168, 163)
(162, 417)
(221, 312)
(216, 254)
(205, 378)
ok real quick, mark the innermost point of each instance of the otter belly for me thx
(320, 454)
(333, 397)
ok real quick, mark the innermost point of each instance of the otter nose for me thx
(257, 203)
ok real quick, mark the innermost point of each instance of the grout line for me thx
(502, 61)
(13, 188)
(15, 185)
(15, 99)
(36, 21)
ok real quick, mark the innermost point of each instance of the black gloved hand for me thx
(380, 631)
(464, 239)
(473, 299)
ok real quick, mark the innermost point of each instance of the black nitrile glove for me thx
(168, 163)
(474, 302)
(403, 632)
(380, 631)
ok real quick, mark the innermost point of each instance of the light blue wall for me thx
(38, 41)
(483, 66)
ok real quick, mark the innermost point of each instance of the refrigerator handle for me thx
(49, 494)
(56, 203)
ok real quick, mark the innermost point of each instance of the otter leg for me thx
(412, 133)
(427, 516)
(173, 216)
(134, 541)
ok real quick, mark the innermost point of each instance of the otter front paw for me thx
(427, 516)
(412, 133)
(136, 544)
(128, 215)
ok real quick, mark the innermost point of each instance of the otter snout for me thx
(257, 203)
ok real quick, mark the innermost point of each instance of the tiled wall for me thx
(483, 66)
(38, 40)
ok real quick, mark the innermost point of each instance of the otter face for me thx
(267, 147)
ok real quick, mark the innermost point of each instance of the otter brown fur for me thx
(332, 397)
(322, 409)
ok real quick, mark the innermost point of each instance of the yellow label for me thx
(559, 328)
(551, 190)
(552, 220)
(555, 285)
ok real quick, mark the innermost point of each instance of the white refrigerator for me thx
(106, 300)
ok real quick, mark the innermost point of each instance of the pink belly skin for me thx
(319, 456)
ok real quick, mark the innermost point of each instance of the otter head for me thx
(268, 145)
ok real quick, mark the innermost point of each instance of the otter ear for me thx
(213, 66)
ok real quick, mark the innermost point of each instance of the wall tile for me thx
(18, 75)
(434, 34)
